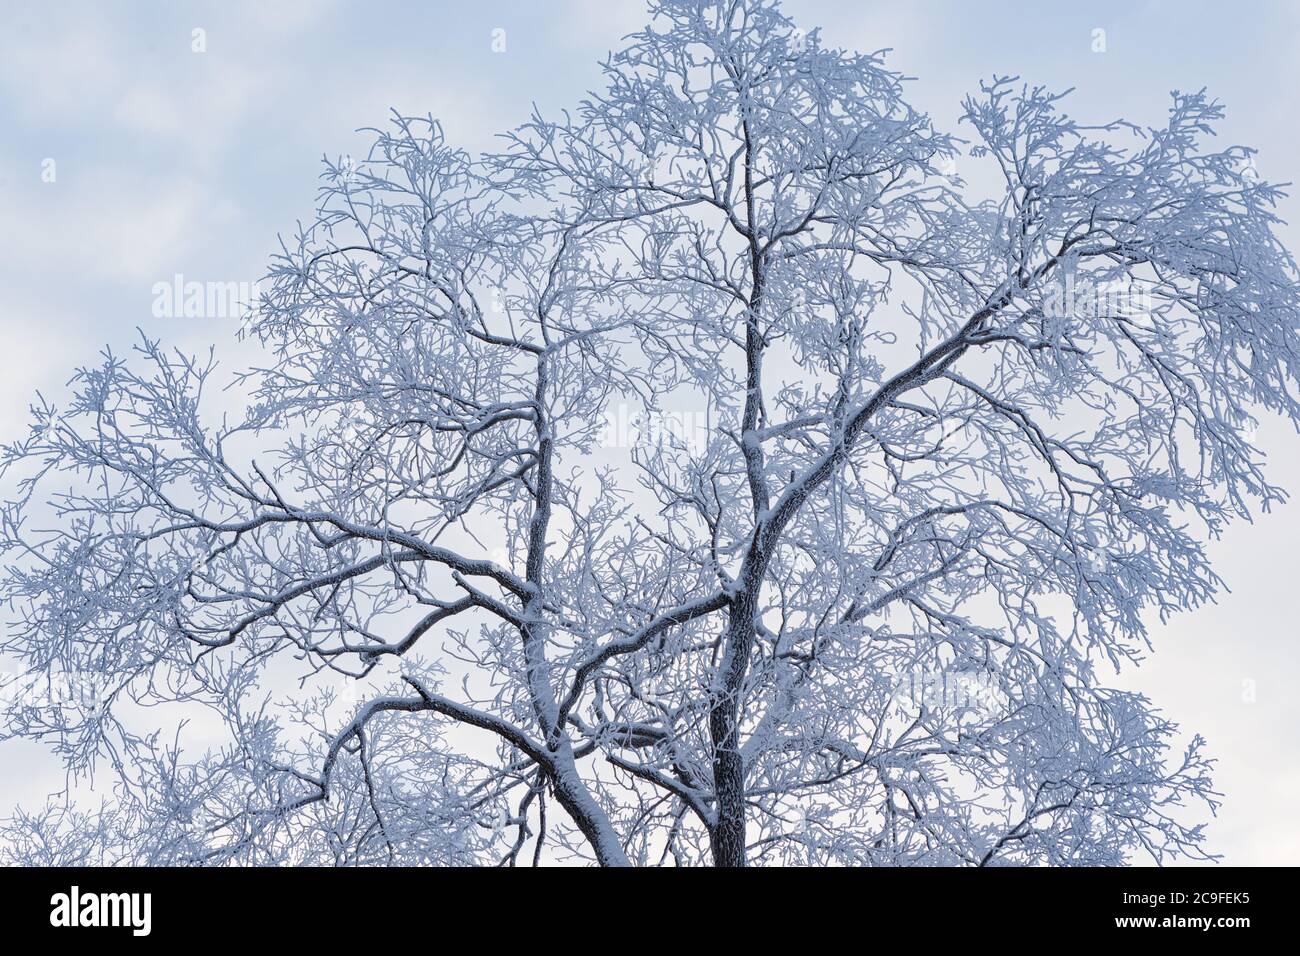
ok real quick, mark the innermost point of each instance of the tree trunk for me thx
(728, 834)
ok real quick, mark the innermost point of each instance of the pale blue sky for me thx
(170, 161)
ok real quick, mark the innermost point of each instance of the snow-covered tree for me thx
(925, 430)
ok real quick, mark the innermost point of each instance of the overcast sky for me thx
(135, 148)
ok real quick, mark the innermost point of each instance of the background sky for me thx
(128, 155)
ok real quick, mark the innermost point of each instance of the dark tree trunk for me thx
(728, 834)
